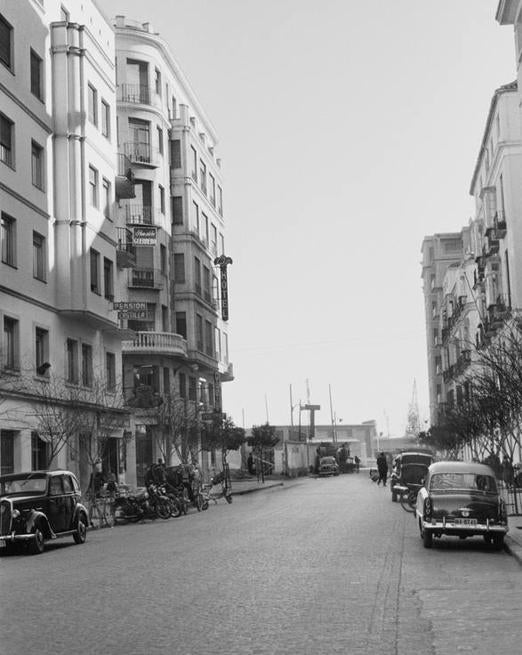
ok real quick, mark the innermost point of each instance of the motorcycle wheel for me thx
(175, 508)
(163, 509)
(204, 506)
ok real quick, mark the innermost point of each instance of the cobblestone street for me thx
(314, 566)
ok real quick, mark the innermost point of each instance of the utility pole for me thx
(332, 416)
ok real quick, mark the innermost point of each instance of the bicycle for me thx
(408, 495)
(101, 511)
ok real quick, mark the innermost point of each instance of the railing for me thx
(135, 93)
(146, 278)
(124, 179)
(156, 342)
(141, 153)
(125, 249)
(138, 214)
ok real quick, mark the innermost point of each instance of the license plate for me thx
(465, 521)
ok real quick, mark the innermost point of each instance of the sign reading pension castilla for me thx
(223, 262)
(144, 235)
(132, 310)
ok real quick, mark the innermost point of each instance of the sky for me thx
(348, 131)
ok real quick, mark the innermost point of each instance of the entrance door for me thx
(143, 454)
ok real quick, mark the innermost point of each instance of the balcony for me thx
(124, 186)
(125, 249)
(137, 94)
(141, 154)
(146, 278)
(138, 214)
(155, 343)
(491, 245)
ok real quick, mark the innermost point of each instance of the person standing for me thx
(382, 467)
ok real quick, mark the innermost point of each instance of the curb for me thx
(262, 488)
(513, 549)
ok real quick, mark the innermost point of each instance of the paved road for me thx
(322, 566)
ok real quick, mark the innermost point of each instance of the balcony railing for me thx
(146, 278)
(141, 154)
(125, 249)
(135, 93)
(124, 187)
(161, 343)
(138, 214)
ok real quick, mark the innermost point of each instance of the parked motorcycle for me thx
(149, 503)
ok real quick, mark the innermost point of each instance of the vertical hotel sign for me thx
(223, 262)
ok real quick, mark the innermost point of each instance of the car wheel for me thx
(487, 538)
(427, 538)
(37, 543)
(498, 541)
(80, 535)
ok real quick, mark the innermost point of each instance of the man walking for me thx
(382, 467)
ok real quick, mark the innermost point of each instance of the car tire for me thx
(487, 538)
(80, 534)
(427, 538)
(37, 543)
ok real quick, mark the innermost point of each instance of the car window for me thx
(67, 484)
(463, 482)
(56, 486)
(23, 485)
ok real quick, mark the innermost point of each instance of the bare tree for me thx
(179, 428)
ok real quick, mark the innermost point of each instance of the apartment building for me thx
(60, 337)
(469, 298)
(175, 223)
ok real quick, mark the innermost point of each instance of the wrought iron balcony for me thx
(146, 278)
(138, 214)
(135, 93)
(125, 249)
(141, 154)
(124, 187)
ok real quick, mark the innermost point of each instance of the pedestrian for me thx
(250, 464)
(357, 463)
(382, 467)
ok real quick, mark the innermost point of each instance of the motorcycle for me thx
(149, 503)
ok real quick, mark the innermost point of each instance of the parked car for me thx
(409, 467)
(461, 499)
(40, 505)
(328, 466)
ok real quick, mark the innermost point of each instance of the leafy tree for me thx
(263, 438)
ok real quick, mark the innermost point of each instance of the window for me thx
(182, 386)
(203, 176)
(174, 108)
(192, 388)
(138, 149)
(92, 104)
(163, 259)
(106, 197)
(160, 140)
(7, 439)
(39, 453)
(11, 344)
(95, 271)
(179, 267)
(41, 350)
(6, 43)
(165, 318)
(72, 361)
(157, 81)
(39, 267)
(209, 346)
(212, 189)
(6, 140)
(206, 283)
(225, 344)
(177, 210)
(166, 380)
(86, 365)
(194, 172)
(162, 198)
(36, 75)
(175, 153)
(37, 165)
(205, 228)
(195, 217)
(93, 185)
(197, 275)
(199, 332)
(217, 344)
(106, 119)
(221, 244)
(108, 279)
(110, 370)
(220, 201)
(213, 240)
(181, 324)
(8, 239)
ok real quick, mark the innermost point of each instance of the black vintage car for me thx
(461, 499)
(40, 505)
(409, 467)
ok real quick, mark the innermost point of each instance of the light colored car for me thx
(461, 499)
(328, 466)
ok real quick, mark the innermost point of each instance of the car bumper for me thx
(11, 538)
(443, 527)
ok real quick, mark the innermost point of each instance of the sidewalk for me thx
(250, 484)
(514, 537)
